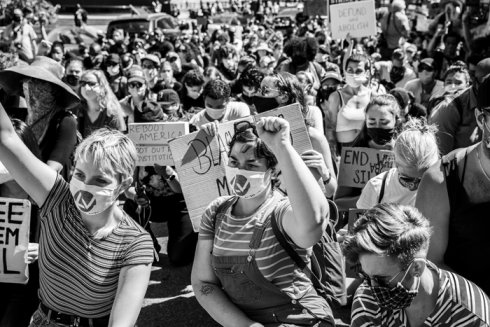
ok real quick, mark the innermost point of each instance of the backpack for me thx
(327, 272)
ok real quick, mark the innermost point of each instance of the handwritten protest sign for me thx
(359, 165)
(200, 159)
(151, 140)
(355, 18)
(15, 217)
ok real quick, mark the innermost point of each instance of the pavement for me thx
(170, 301)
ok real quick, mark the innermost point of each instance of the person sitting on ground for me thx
(191, 95)
(95, 261)
(240, 273)
(455, 197)
(415, 151)
(401, 287)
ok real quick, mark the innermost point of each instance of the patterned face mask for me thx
(398, 297)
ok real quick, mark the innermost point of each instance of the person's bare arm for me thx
(320, 144)
(331, 119)
(209, 293)
(433, 202)
(34, 176)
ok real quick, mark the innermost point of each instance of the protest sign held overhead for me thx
(15, 217)
(200, 159)
(151, 140)
(355, 18)
(359, 165)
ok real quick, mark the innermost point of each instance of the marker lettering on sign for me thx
(10, 213)
(7, 233)
(222, 185)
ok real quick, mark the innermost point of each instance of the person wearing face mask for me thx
(456, 80)
(151, 66)
(455, 197)
(329, 84)
(95, 58)
(99, 107)
(395, 73)
(401, 286)
(73, 72)
(227, 63)
(346, 113)
(426, 85)
(170, 102)
(217, 105)
(21, 37)
(167, 79)
(415, 151)
(456, 120)
(250, 81)
(261, 286)
(174, 59)
(117, 81)
(49, 105)
(191, 94)
(95, 259)
(379, 131)
(138, 93)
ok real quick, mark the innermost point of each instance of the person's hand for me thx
(164, 171)
(32, 253)
(210, 128)
(274, 132)
(314, 160)
(157, 6)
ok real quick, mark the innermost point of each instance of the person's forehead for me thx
(244, 151)
(90, 77)
(456, 76)
(355, 65)
(379, 112)
(214, 102)
(376, 265)
(87, 166)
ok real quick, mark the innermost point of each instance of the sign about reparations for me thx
(151, 140)
(359, 165)
(200, 159)
(15, 218)
(355, 18)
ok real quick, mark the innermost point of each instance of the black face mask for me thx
(381, 136)
(248, 99)
(396, 74)
(263, 104)
(298, 60)
(72, 80)
(324, 93)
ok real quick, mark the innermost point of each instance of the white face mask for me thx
(247, 184)
(91, 199)
(215, 113)
(355, 80)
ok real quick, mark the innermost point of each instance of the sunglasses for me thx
(148, 66)
(135, 85)
(242, 126)
(89, 83)
(423, 67)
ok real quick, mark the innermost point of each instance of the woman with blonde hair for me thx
(415, 151)
(99, 107)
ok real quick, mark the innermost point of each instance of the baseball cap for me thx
(135, 73)
(332, 75)
(153, 58)
(168, 97)
(428, 62)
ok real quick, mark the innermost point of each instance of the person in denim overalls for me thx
(241, 275)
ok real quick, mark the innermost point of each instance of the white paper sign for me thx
(355, 18)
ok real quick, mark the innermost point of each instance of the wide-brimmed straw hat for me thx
(42, 68)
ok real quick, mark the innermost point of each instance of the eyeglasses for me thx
(381, 281)
(265, 90)
(242, 126)
(89, 83)
(135, 85)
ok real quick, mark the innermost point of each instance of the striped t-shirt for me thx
(460, 303)
(79, 274)
(233, 238)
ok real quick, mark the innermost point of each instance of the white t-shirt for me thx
(394, 191)
(234, 110)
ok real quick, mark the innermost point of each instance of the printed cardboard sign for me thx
(200, 159)
(151, 140)
(15, 219)
(355, 18)
(359, 165)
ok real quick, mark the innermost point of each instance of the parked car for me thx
(145, 24)
(70, 36)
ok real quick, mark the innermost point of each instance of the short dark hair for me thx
(359, 57)
(193, 78)
(217, 89)
(252, 78)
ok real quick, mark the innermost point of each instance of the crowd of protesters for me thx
(419, 249)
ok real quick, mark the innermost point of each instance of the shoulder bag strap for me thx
(383, 185)
(222, 208)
